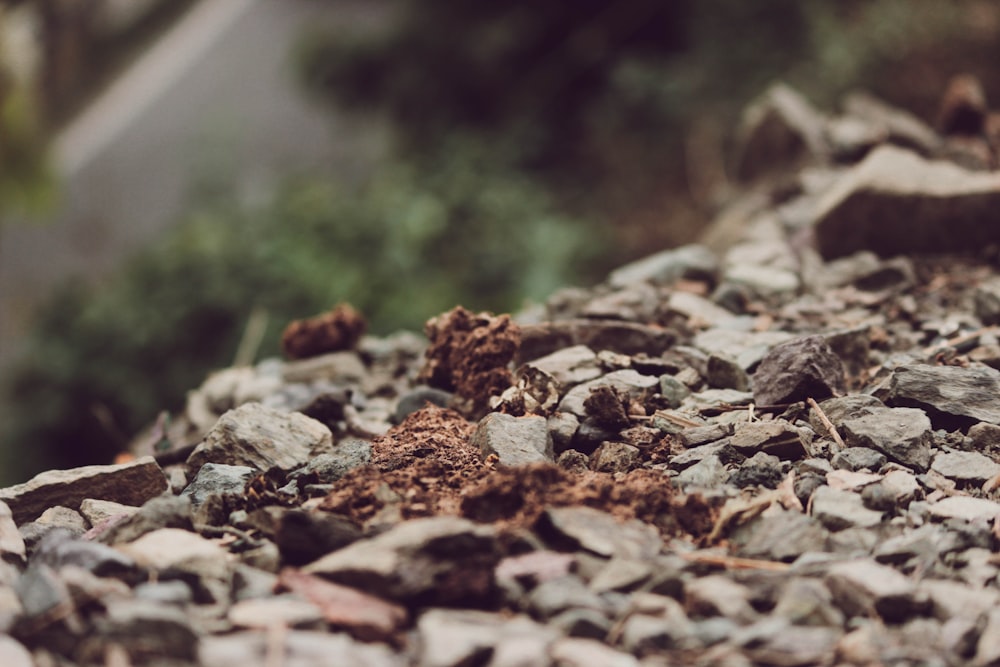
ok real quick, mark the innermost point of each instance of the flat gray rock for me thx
(131, 483)
(837, 509)
(965, 466)
(628, 381)
(863, 585)
(799, 369)
(410, 560)
(694, 262)
(902, 434)
(951, 395)
(217, 479)
(262, 438)
(895, 202)
(777, 438)
(965, 507)
(513, 440)
(600, 533)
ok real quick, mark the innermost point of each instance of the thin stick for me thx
(962, 338)
(253, 334)
(734, 562)
(831, 429)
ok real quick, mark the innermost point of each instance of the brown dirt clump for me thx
(339, 329)
(469, 354)
(518, 496)
(419, 468)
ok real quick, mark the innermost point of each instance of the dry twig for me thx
(831, 429)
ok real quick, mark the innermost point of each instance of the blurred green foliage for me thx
(538, 145)
(412, 243)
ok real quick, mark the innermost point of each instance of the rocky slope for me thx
(781, 447)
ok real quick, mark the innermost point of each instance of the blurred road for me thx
(216, 98)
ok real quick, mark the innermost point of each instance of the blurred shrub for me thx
(414, 242)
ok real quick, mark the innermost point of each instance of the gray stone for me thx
(923, 544)
(513, 440)
(759, 470)
(965, 508)
(863, 585)
(288, 611)
(95, 511)
(149, 630)
(858, 458)
(779, 644)
(614, 457)
(300, 648)
(621, 574)
(950, 599)
(777, 438)
(673, 390)
(626, 381)
(987, 301)
(580, 652)
(130, 483)
(599, 533)
(899, 127)
(699, 311)
(843, 407)
(643, 634)
(894, 202)
(61, 548)
(988, 647)
(562, 427)
(951, 395)
(162, 512)
(164, 592)
(746, 347)
(179, 551)
(902, 434)
(42, 592)
(709, 473)
(723, 372)
(799, 369)
(700, 435)
(303, 536)
(11, 542)
(630, 338)
(262, 438)
(718, 595)
(693, 262)
(557, 595)
(781, 536)
(217, 479)
(965, 466)
(63, 517)
(837, 509)
(409, 560)
(763, 280)
(462, 637)
(13, 654)
(808, 602)
(345, 455)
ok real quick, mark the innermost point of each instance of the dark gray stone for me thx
(513, 440)
(952, 396)
(130, 483)
(723, 372)
(345, 455)
(409, 561)
(759, 470)
(895, 202)
(614, 457)
(217, 479)
(860, 586)
(708, 473)
(837, 509)
(965, 467)
(598, 532)
(263, 438)
(858, 458)
(60, 548)
(843, 407)
(902, 434)
(780, 537)
(778, 438)
(797, 370)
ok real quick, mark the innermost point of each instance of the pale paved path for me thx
(213, 96)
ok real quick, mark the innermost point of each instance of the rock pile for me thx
(781, 447)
